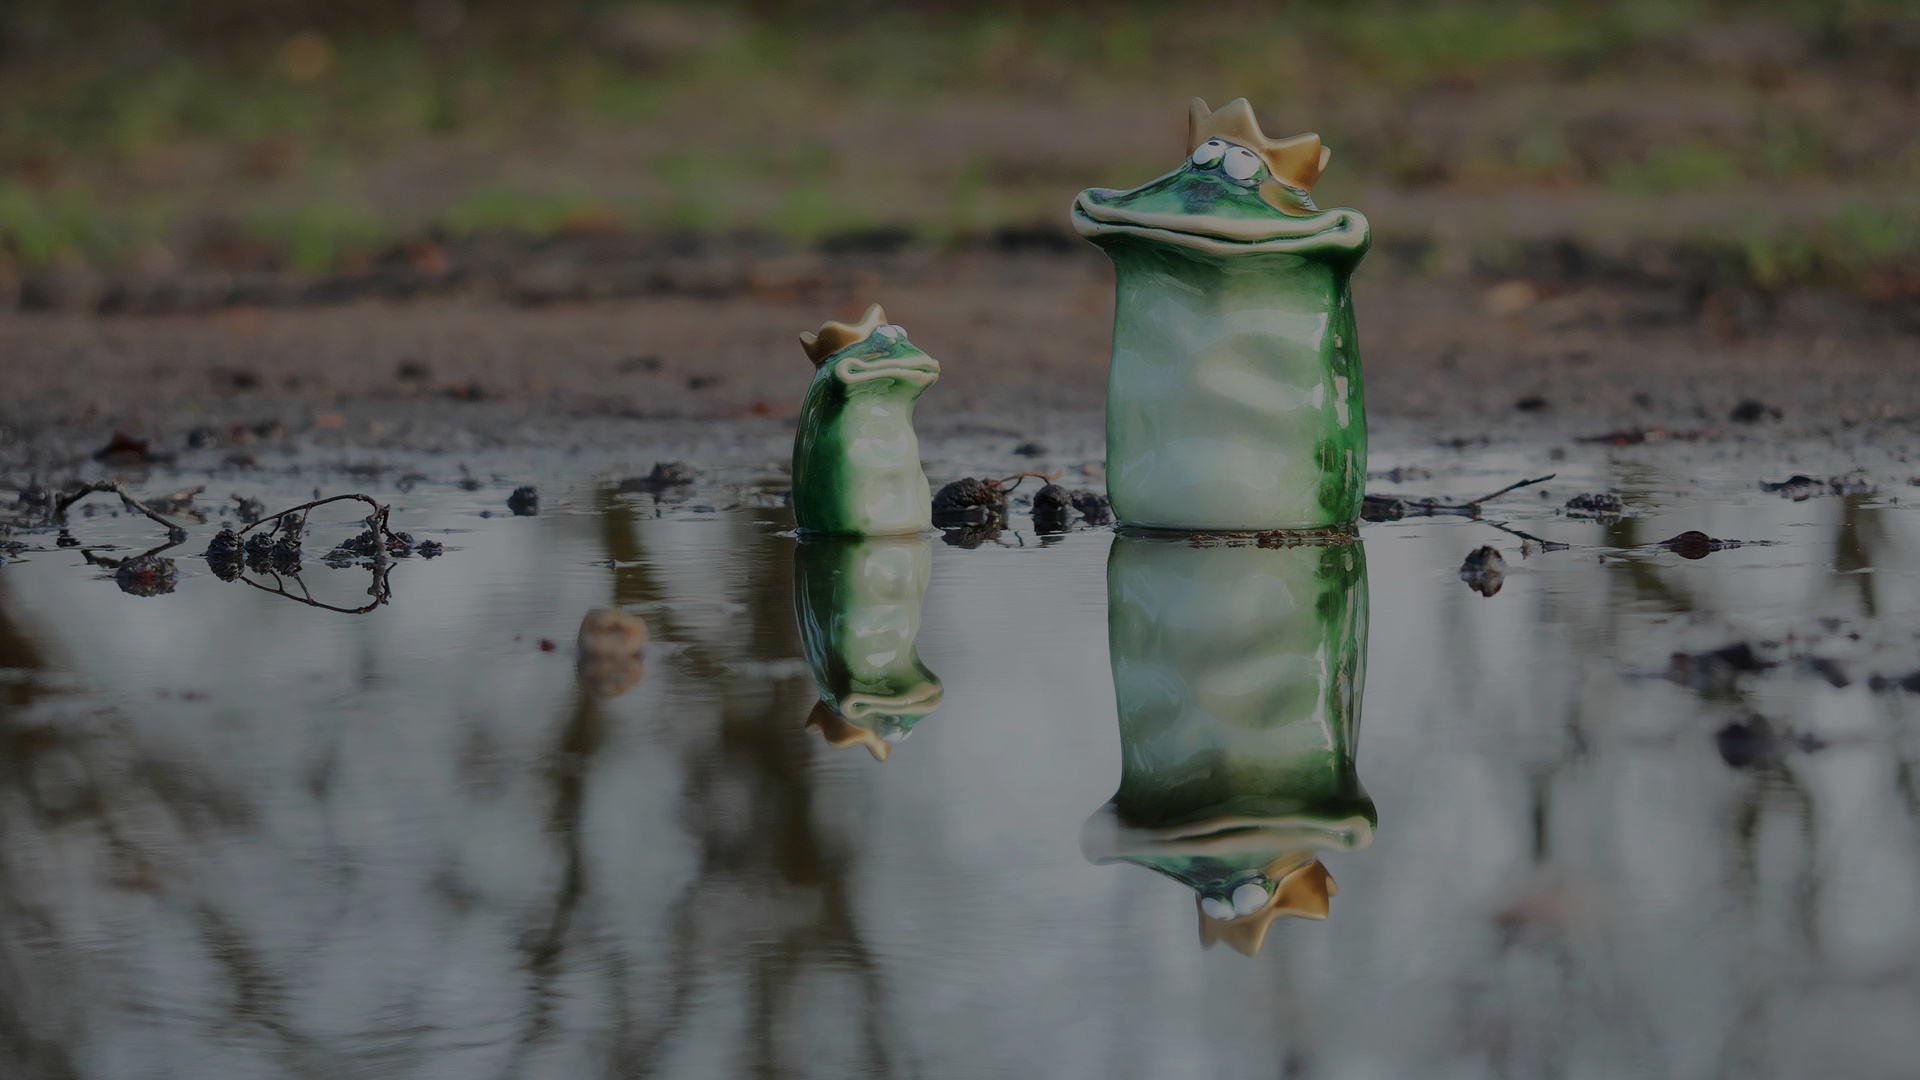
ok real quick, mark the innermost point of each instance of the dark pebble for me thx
(1484, 570)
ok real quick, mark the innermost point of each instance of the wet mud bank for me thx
(1022, 334)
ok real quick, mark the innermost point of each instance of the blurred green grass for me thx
(324, 132)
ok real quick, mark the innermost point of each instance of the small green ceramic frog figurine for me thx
(856, 461)
(1235, 400)
(1238, 673)
(858, 604)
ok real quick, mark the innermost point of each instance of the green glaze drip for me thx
(858, 605)
(856, 460)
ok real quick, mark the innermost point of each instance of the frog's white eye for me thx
(892, 332)
(1209, 152)
(1249, 898)
(1241, 163)
(1217, 909)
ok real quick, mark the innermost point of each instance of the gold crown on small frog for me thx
(1296, 162)
(834, 336)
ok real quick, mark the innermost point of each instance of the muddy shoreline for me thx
(1022, 336)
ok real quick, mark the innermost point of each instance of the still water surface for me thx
(913, 809)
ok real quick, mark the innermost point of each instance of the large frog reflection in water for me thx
(858, 601)
(1238, 672)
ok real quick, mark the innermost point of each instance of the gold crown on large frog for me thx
(834, 336)
(1296, 162)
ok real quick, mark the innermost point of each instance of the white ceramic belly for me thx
(1235, 399)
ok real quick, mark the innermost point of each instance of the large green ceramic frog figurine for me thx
(856, 461)
(1238, 673)
(1235, 398)
(858, 603)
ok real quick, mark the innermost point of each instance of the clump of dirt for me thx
(1800, 487)
(124, 449)
(666, 476)
(1909, 682)
(1716, 671)
(1694, 544)
(1751, 743)
(1603, 504)
(968, 502)
(1054, 507)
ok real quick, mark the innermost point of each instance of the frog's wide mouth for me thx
(920, 701)
(1325, 231)
(1106, 837)
(921, 370)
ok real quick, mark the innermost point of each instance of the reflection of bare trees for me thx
(25, 1048)
(765, 867)
(1764, 815)
(764, 936)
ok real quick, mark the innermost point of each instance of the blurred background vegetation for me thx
(322, 136)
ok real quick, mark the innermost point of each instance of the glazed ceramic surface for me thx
(1235, 400)
(856, 460)
(1238, 674)
(858, 604)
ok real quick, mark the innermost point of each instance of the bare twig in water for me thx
(1515, 486)
(1019, 476)
(80, 491)
(91, 559)
(382, 590)
(1390, 508)
(179, 502)
(377, 520)
(1545, 545)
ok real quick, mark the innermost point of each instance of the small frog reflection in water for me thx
(858, 603)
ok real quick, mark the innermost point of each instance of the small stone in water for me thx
(1752, 411)
(1484, 570)
(1051, 506)
(524, 502)
(665, 475)
(1093, 506)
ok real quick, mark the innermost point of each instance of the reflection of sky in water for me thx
(407, 845)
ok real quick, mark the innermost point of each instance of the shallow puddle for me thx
(1081, 805)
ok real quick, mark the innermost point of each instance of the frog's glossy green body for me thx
(1235, 400)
